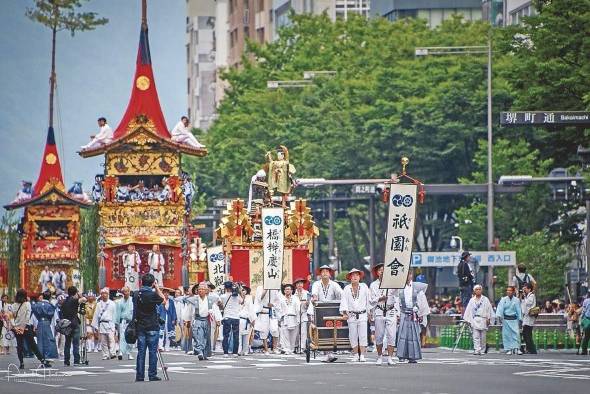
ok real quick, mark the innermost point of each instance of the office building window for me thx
(188, 53)
(260, 34)
(188, 86)
(260, 6)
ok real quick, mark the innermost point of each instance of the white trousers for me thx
(384, 326)
(288, 339)
(357, 332)
(107, 344)
(479, 340)
(265, 325)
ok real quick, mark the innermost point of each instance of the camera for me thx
(235, 288)
(82, 308)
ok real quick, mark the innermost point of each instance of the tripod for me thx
(83, 350)
(162, 364)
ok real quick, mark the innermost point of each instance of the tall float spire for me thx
(144, 102)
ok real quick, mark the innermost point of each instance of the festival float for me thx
(50, 226)
(144, 198)
(268, 240)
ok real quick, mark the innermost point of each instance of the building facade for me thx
(434, 11)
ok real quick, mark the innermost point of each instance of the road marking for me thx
(76, 388)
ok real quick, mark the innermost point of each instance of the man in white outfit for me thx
(104, 136)
(45, 278)
(267, 302)
(304, 297)
(156, 262)
(181, 133)
(386, 311)
(355, 305)
(478, 314)
(131, 263)
(289, 318)
(325, 290)
(104, 322)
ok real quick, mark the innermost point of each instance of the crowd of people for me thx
(202, 321)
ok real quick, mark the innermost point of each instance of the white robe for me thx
(45, 278)
(182, 135)
(478, 312)
(332, 292)
(156, 262)
(104, 137)
(104, 317)
(350, 304)
(131, 262)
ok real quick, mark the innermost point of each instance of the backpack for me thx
(521, 282)
(131, 329)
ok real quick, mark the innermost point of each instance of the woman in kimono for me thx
(509, 312)
(167, 314)
(478, 314)
(44, 312)
(413, 307)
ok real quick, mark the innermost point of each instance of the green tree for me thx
(382, 103)
(549, 54)
(60, 15)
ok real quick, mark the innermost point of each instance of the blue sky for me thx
(94, 75)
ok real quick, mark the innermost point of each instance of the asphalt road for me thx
(439, 372)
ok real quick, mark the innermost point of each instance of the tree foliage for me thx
(381, 104)
(61, 15)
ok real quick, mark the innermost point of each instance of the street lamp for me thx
(457, 241)
(476, 50)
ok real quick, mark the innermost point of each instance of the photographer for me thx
(69, 311)
(145, 303)
(466, 278)
(231, 303)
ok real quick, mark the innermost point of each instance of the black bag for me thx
(131, 329)
(64, 327)
(131, 333)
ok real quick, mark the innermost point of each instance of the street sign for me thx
(544, 118)
(222, 202)
(451, 259)
(364, 189)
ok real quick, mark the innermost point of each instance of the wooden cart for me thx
(328, 330)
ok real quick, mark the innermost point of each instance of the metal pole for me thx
(587, 233)
(490, 223)
(372, 230)
(331, 226)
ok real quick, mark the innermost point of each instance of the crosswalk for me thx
(184, 364)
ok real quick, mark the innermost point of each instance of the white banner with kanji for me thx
(273, 237)
(401, 223)
(216, 265)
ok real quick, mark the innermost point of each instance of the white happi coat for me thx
(104, 137)
(391, 305)
(348, 303)
(131, 262)
(182, 134)
(289, 311)
(247, 315)
(267, 318)
(303, 297)
(331, 292)
(104, 317)
(45, 278)
(478, 312)
(156, 262)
